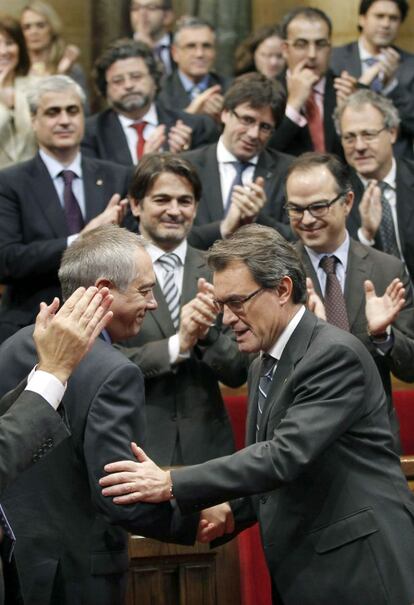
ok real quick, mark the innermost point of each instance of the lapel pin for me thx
(99, 182)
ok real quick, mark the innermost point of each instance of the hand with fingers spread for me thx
(382, 311)
(344, 86)
(113, 214)
(197, 316)
(300, 82)
(370, 210)
(250, 199)
(143, 481)
(215, 522)
(63, 337)
(179, 137)
(314, 302)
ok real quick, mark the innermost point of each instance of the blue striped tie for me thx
(169, 263)
(266, 376)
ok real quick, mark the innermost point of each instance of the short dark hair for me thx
(125, 49)
(258, 91)
(10, 27)
(267, 255)
(190, 22)
(402, 5)
(153, 165)
(314, 159)
(307, 12)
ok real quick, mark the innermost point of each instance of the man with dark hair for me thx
(150, 22)
(377, 63)
(47, 201)
(319, 472)
(310, 84)
(376, 296)
(382, 214)
(127, 76)
(242, 180)
(182, 348)
(194, 86)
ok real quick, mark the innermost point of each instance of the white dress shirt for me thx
(131, 134)
(227, 170)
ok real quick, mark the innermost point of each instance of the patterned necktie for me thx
(387, 228)
(266, 377)
(315, 123)
(74, 218)
(335, 307)
(169, 263)
(8, 536)
(376, 84)
(240, 167)
(139, 127)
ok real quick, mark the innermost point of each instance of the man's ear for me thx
(135, 206)
(104, 283)
(285, 289)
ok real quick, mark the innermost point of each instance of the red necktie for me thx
(139, 127)
(315, 123)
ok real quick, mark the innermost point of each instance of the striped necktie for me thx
(387, 228)
(170, 262)
(266, 375)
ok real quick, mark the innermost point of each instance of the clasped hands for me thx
(197, 316)
(129, 482)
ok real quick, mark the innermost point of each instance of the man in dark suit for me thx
(376, 291)
(71, 543)
(193, 86)
(320, 473)
(181, 354)
(380, 65)
(150, 22)
(40, 213)
(242, 180)
(29, 425)
(311, 96)
(382, 213)
(127, 76)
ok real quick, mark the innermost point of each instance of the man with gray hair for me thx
(319, 472)
(71, 542)
(194, 86)
(47, 201)
(368, 123)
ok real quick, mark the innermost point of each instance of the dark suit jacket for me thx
(272, 166)
(105, 139)
(173, 93)
(367, 263)
(184, 400)
(347, 57)
(66, 537)
(330, 490)
(33, 232)
(29, 429)
(405, 214)
(294, 139)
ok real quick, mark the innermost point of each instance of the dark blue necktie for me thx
(376, 84)
(240, 168)
(266, 376)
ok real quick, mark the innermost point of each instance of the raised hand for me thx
(382, 311)
(370, 210)
(314, 302)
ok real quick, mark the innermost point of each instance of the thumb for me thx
(46, 311)
(309, 285)
(114, 201)
(139, 453)
(369, 289)
(260, 181)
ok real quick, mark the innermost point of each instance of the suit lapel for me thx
(359, 269)
(405, 214)
(266, 168)
(329, 104)
(114, 139)
(212, 177)
(93, 186)
(46, 197)
(309, 270)
(354, 60)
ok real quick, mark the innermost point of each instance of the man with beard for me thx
(127, 75)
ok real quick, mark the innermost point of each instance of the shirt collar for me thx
(150, 117)
(277, 349)
(155, 252)
(390, 178)
(164, 42)
(341, 253)
(189, 84)
(363, 53)
(55, 168)
(224, 156)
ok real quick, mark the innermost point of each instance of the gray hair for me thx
(59, 83)
(190, 22)
(106, 252)
(267, 255)
(368, 97)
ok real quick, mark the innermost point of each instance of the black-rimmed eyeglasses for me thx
(316, 209)
(249, 121)
(236, 305)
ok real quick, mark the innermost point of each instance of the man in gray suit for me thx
(379, 64)
(319, 473)
(377, 294)
(182, 348)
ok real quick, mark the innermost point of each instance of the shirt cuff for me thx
(47, 386)
(364, 240)
(295, 116)
(174, 350)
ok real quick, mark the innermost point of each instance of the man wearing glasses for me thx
(373, 289)
(319, 472)
(242, 180)
(311, 87)
(382, 214)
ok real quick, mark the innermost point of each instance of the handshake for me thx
(128, 482)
